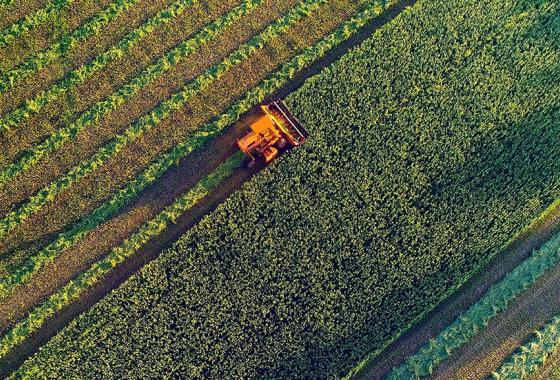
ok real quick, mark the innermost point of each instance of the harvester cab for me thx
(274, 130)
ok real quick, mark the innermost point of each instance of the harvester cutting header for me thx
(273, 131)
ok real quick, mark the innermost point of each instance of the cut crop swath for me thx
(32, 21)
(154, 117)
(126, 92)
(61, 48)
(172, 157)
(87, 70)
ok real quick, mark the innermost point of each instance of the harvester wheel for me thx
(281, 143)
(250, 164)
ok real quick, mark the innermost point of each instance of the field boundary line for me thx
(532, 226)
(479, 315)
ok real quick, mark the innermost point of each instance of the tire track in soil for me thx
(174, 183)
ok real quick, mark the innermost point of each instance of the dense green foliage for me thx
(530, 357)
(32, 20)
(128, 91)
(431, 145)
(64, 45)
(162, 164)
(80, 74)
(152, 118)
(75, 288)
(477, 317)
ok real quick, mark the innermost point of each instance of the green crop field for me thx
(432, 144)
(99, 102)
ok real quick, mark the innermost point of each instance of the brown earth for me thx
(444, 314)
(81, 198)
(173, 183)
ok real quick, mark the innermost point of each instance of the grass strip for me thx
(32, 21)
(163, 163)
(154, 117)
(477, 317)
(126, 92)
(85, 71)
(76, 287)
(531, 356)
(90, 28)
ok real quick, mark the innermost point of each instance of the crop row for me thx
(532, 355)
(90, 28)
(33, 20)
(342, 243)
(85, 71)
(154, 117)
(250, 100)
(102, 108)
(129, 247)
(478, 316)
(126, 92)
(167, 160)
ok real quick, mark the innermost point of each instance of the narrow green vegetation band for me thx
(170, 158)
(91, 28)
(129, 247)
(126, 92)
(32, 21)
(161, 66)
(79, 75)
(477, 317)
(531, 356)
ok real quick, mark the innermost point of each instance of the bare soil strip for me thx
(466, 296)
(505, 333)
(172, 183)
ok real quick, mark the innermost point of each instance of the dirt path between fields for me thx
(506, 332)
(471, 292)
(175, 182)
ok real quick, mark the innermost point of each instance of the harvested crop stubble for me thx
(111, 115)
(60, 49)
(79, 55)
(32, 20)
(182, 52)
(531, 356)
(11, 13)
(426, 135)
(201, 107)
(80, 74)
(76, 287)
(42, 37)
(78, 254)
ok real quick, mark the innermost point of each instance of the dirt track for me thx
(176, 182)
(468, 294)
(506, 332)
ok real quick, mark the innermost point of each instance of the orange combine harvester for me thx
(273, 131)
